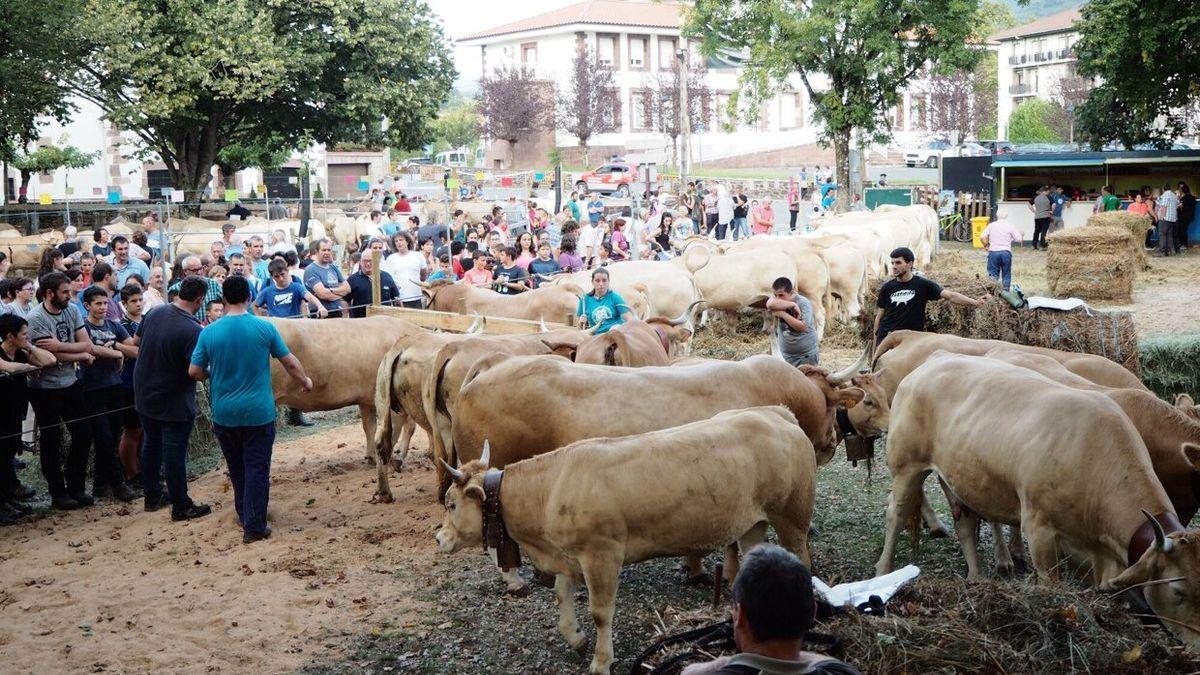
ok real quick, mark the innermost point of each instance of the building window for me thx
(790, 112)
(666, 53)
(611, 109)
(640, 117)
(529, 54)
(639, 52)
(606, 50)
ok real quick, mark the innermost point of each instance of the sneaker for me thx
(193, 510)
(152, 504)
(297, 418)
(19, 506)
(123, 492)
(251, 538)
(8, 515)
(101, 491)
(64, 503)
(23, 491)
(83, 498)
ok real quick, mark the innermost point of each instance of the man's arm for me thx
(958, 299)
(296, 370)
(127, 348)
(197, 373)
(81, 345)
(312, 300)
(875, 330)
(324, 293)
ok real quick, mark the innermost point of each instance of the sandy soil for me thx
(113, 588)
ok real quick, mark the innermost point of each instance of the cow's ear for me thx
(850, 396)
(1192, 452)
(475, 492)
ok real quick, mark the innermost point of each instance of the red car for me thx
(611, 178)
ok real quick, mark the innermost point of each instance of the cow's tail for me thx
(687, 258)
(385, 398)
(435, 405)
(914, 529)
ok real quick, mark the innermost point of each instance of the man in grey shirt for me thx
(1168, 216)
(794, 334)
(1042, 216)
(56, 325)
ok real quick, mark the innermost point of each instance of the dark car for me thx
(998, 147)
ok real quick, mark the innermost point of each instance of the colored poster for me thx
(70, 192)
(97, 192)
(539, 176)
(231, 195)
(506, 181)
(262, 190)
(177, 196)
(453, 183)
(114, 197)
(364, 185)
(478, 175)
(292, 180)
(44, 199)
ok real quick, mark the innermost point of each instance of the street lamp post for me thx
(685, 125)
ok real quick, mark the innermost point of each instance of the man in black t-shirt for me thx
(902, 299)
(509, 278)
(360, 286)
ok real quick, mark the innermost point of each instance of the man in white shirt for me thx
(724, 212)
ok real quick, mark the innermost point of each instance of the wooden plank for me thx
(461, 323)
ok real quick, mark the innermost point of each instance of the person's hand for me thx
(88, 359)
(582, 322)
(111, 344)
(307, 386)
(322, 312)
(982, 300)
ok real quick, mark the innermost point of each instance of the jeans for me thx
(1040, 227)
(104, 420)
(53, 407)
(999, 266)
(792, 220)
(722, 228)
(247, 452)
(1166, 236)
(741, 226)
(164, 446)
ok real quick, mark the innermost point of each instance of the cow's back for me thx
(577, 401)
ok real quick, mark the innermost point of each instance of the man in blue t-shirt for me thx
(235, 353)
(325, 280)
(284, 297)
(602, 309)
(102, 396)
(595, 209)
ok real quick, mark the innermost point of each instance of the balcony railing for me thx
(1020, 89)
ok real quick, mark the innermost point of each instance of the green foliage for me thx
(555, 156)
(36, 48)
(867, 51)
(1032, 122)
(457, 127)
(192, 78)
(1145, 54)
(52, 158)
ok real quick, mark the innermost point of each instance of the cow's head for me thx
(434, 287)
(462, 524)
(1168, 574)
(835, 397)
(871, 416)
(1187, 406)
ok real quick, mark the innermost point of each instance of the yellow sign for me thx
(262, 189)
(44, 199)
(231, 195)
(478, 175)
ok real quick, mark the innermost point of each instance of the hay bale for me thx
(1134, 223)
(1093, 263)
(1171, 365)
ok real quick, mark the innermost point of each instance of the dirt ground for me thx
(345, 585)
(115, 589)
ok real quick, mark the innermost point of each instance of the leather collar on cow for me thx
(495, 534)
(843, 421)
(1143, 537)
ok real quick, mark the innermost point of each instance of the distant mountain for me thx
(1036, 9)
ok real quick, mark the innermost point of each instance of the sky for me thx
(462, 17)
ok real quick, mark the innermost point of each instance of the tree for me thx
(660, 105)
(49, 158)
(195, 80)
(1146, 57)
(1067, 95)
(852, 56)
(516, 106)
(1031, 122)
(589, 105)
(458, 127)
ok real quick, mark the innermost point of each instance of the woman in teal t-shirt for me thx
(601, 309)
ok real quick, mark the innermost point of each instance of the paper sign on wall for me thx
(539, 176)
(478, 175)
(114, 197)
(364, 185)
(97, 192)
(44, 199)
(177, 196)
(506, 181)
(231, 195)
(292, 180)
(453, 183)
(70, 191)
(262, 189)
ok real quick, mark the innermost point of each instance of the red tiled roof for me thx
(1055, 23)
(602, 12)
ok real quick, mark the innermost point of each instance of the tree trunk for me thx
(512, 156)
(584, 146)
(841, 159)
(23, 191)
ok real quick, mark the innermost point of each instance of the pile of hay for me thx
(990, 626)
(1133, 223)
(732, 337)
(1093, 263)
(1171, 365)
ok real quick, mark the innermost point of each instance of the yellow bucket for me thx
(978, 223)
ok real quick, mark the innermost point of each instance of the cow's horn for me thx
(685, 316)
(476, 325)
(487, 453)
(459, 476)
(542, 325)
(843, 376)
(1160, 536)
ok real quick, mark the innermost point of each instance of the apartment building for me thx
(1033, 59)
(638, 40)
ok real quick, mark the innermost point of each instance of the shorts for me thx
(129, 417)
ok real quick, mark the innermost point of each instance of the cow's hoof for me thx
(1004, 570)
(370, 460)
(701, 579)
(382, 498)
(543, 579)
(397, 465)
(813, 531)
(578, 642)
(939, 533)
(1021, 566)
(518, 591)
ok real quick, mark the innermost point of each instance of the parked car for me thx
(611, 178)
(998, 147)
(931, 153)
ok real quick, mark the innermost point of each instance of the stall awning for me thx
(1154, 160)
(1027, 163)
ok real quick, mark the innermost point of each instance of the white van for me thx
(456, 158)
